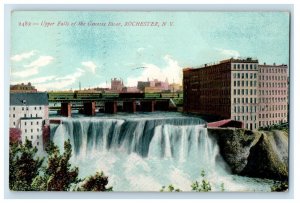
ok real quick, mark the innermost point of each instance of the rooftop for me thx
(28, 99)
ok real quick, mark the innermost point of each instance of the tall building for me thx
(29, 113)
(232, 89)
(273, 94)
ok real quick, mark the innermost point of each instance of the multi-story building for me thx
(22, 88)
(153, 86)
(29, 113)
(273, 94)
(116, 85)
(231, 89)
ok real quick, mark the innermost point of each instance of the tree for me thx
(97, 182)
(24, 165)
(58, 175)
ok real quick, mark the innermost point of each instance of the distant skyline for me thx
(59, 57)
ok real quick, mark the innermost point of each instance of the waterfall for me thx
(143, 153)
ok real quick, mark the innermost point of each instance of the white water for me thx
(147, 151)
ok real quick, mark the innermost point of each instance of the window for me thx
(31, 130)
(27, 108)
(34, 108)
(14, 115)
(14, 108)
(37, 122)
(25, 115)
(31, 123)
(31, 136)
(25, 130)
(40, 108)
(36, 115)
(22, 108)
(37, 130)
(25, 123)
(37, 143)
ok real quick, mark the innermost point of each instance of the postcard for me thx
(160, 101)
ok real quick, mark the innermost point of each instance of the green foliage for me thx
(282, 126)
(222, 187)
(170, 188)
(58, 175)
(24, 165)
(26, 172)
(203, 187)
(280, 186)
(97, 182)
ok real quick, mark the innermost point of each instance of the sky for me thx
(57, 50)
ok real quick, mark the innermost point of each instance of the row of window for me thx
(244, 83)
(27, 108)
(244, 109)
(266, 123)
(272, 70)
(273, 92)
(272, 115)
(31, 130)
(244, 66)
(273, 99)
(273, 77)
(245, 118)
(244, 100)
(244, 92)
(273, 108)
(273, 84)
(25, 115)
(244, 75)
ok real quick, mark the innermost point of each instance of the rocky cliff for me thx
(259, 154)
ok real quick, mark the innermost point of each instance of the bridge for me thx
(88, 102)
(111, 106)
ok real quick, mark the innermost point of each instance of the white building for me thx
(29, 112)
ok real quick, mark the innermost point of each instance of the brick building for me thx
(273, 94)
(232, 89)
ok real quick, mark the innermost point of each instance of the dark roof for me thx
(28, 99)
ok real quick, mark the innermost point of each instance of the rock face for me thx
(255, 154)
(264, 162)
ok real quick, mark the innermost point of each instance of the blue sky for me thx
(59, 57)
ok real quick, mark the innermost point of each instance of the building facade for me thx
(116, 85)
(232, 89)
(22, 88)
(273, 94)
(29, 113)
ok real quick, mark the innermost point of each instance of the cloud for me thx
(36, 80)
(40, 62)
(227, 53)
(61, 82)
(172, 71)
(33, 67)
(90, 66)
(26, 73)
(25, 55)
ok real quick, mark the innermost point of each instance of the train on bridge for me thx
(82, 95)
